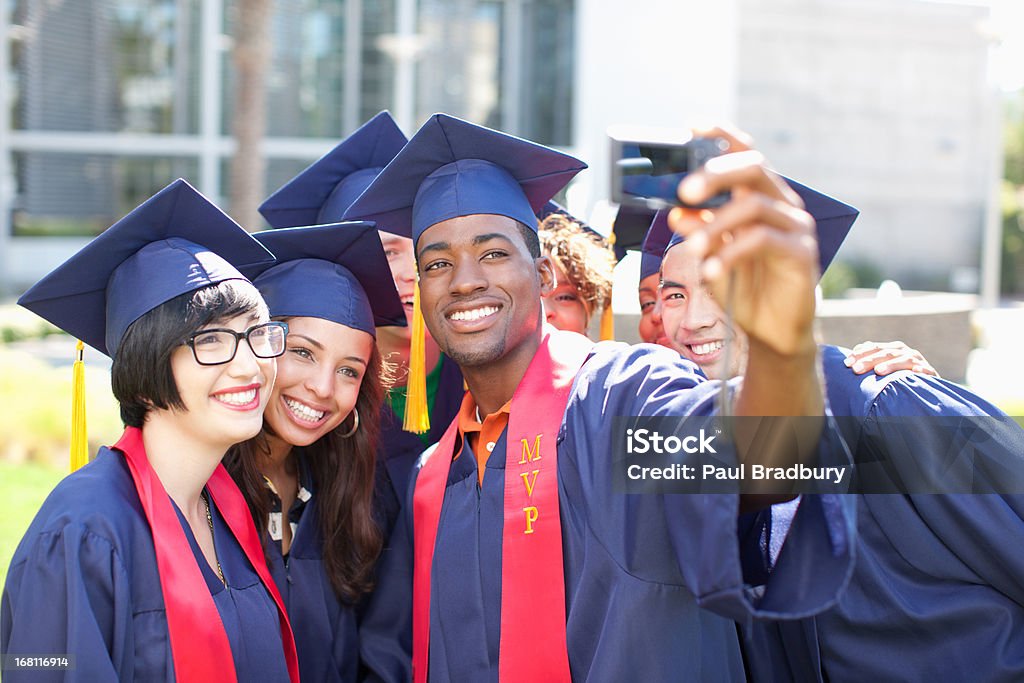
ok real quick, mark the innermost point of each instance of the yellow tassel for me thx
(417, 417)
(607, 323)
(79, 436)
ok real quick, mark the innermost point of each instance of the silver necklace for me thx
(209, 520)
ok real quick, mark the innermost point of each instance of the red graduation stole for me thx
(533, 646)
(199, 644)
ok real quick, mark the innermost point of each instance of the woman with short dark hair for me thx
(144, 564)
(309, 475)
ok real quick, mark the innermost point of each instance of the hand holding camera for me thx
(749, 226)
(759, 248)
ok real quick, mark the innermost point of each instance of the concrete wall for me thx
(937, 325)
(887, 105)
(648, 62)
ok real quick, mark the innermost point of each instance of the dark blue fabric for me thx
(325, 629)
(246, 609)
(629, 229)
(554, 207)
(400, 449)
(322, 192)
(638, 568)
(655, 243)
(936, 593)
(343, 263)
(454, 168)
(173, 243)
(832, 221)
(84, 581)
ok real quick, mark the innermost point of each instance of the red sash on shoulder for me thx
(533, 646)
(199, 644)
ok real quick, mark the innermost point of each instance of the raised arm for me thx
(761, 263)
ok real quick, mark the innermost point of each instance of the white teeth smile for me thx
(304, 412)
(238, 398)
(704, 349)
(473, 314)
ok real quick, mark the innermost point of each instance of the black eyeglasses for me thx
(218, 346)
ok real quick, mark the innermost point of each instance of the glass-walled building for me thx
(106, 101)
(102, 102)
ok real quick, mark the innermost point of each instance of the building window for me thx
(105, 66)
(120, 80)
(67, 194)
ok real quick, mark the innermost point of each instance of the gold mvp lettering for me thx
(530, 480)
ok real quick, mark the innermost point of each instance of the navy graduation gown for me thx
(246, 610)
(84, 581)
(400, 449)
(936, 593)
(325, 629)
(638, 568)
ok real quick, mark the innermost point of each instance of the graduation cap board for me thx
(655, 243)
(336, 272)
(553, 207)
(452, 168)
(629, 228)
(324, 190)
(833, 220)
(175, 242)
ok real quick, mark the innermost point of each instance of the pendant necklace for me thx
(209, 520)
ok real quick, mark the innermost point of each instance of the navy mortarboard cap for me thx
(553, 207)
(630, 228)
(833, 220)
(337, 272)
(175, 242)
(655, 243)
(322, 192)
(454, 168)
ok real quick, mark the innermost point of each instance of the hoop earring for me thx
(355, 424)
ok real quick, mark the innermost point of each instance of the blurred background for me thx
(911, 110)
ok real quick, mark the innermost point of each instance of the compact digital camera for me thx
(649, 163)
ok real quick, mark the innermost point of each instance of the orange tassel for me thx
(607, 323)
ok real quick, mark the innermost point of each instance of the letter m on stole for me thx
(528, 454)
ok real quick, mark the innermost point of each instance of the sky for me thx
(1007, 25)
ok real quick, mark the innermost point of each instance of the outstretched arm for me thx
(760, 260)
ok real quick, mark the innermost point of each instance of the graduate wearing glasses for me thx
(144, 564)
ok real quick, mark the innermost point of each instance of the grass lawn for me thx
(1014, 408)
(22, 490)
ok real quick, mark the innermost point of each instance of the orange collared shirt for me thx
(482, 436)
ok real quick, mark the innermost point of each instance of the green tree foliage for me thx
(1013, 137)
(1013, 198)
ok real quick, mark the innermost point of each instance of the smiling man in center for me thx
(541, 570)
